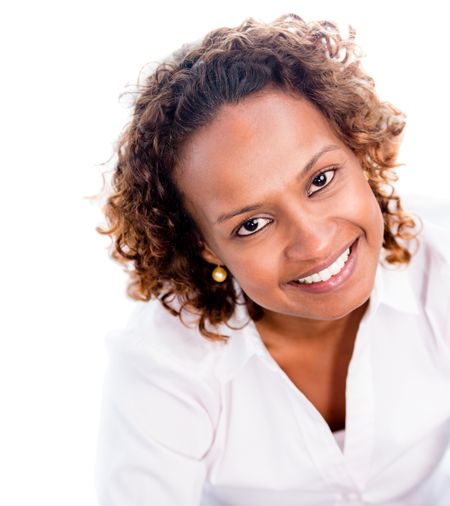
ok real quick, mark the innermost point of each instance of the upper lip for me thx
(326, 263)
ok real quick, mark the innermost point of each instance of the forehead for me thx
(249, 148)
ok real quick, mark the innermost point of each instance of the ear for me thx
(209, 255)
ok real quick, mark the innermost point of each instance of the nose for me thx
(310, 236)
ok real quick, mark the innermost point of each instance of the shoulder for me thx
(162, 374)
(152, 330)
(430, 276)
(153, 336)
(159, 379)
(171, 338)
(434, 235)
(433, 252)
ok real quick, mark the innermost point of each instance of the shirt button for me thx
(348, 498)
(352, 496)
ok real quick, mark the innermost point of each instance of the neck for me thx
(279, 330)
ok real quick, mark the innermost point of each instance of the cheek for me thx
(257, 274)
(365, 208)
(254, 271)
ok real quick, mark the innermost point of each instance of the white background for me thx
(63, 66)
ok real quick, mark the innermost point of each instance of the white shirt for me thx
(186, 421)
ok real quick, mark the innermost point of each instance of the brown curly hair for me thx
(152, 234)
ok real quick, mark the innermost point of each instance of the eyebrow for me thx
(306, 169)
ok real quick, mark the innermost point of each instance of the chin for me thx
(328, 312)
(343, 311)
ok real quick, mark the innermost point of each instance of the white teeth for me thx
(331, 270)
(325, 274)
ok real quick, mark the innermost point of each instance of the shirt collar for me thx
(393, 286)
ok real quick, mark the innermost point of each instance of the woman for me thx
(292, 344)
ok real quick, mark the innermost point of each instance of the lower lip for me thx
(335, 281)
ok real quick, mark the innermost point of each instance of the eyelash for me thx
(330, 169)
(269, 220)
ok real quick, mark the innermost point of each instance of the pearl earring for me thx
(219, 274)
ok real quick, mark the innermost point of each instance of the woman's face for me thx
(279, 197)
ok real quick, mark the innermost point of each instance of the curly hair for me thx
(152, 234)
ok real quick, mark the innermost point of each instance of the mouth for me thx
(331, 274)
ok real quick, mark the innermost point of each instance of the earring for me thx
(219, 274)
(366, 175)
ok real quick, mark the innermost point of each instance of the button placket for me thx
(360, 410)
(348, 497)
(349, 469)
(319, 440)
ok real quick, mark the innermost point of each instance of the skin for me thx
(253, 153)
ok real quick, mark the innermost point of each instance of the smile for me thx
(325, 274)
(331, 276)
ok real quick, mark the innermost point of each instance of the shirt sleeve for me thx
(156, 427)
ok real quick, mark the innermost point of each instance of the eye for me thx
(321, 180)
(251, 226)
